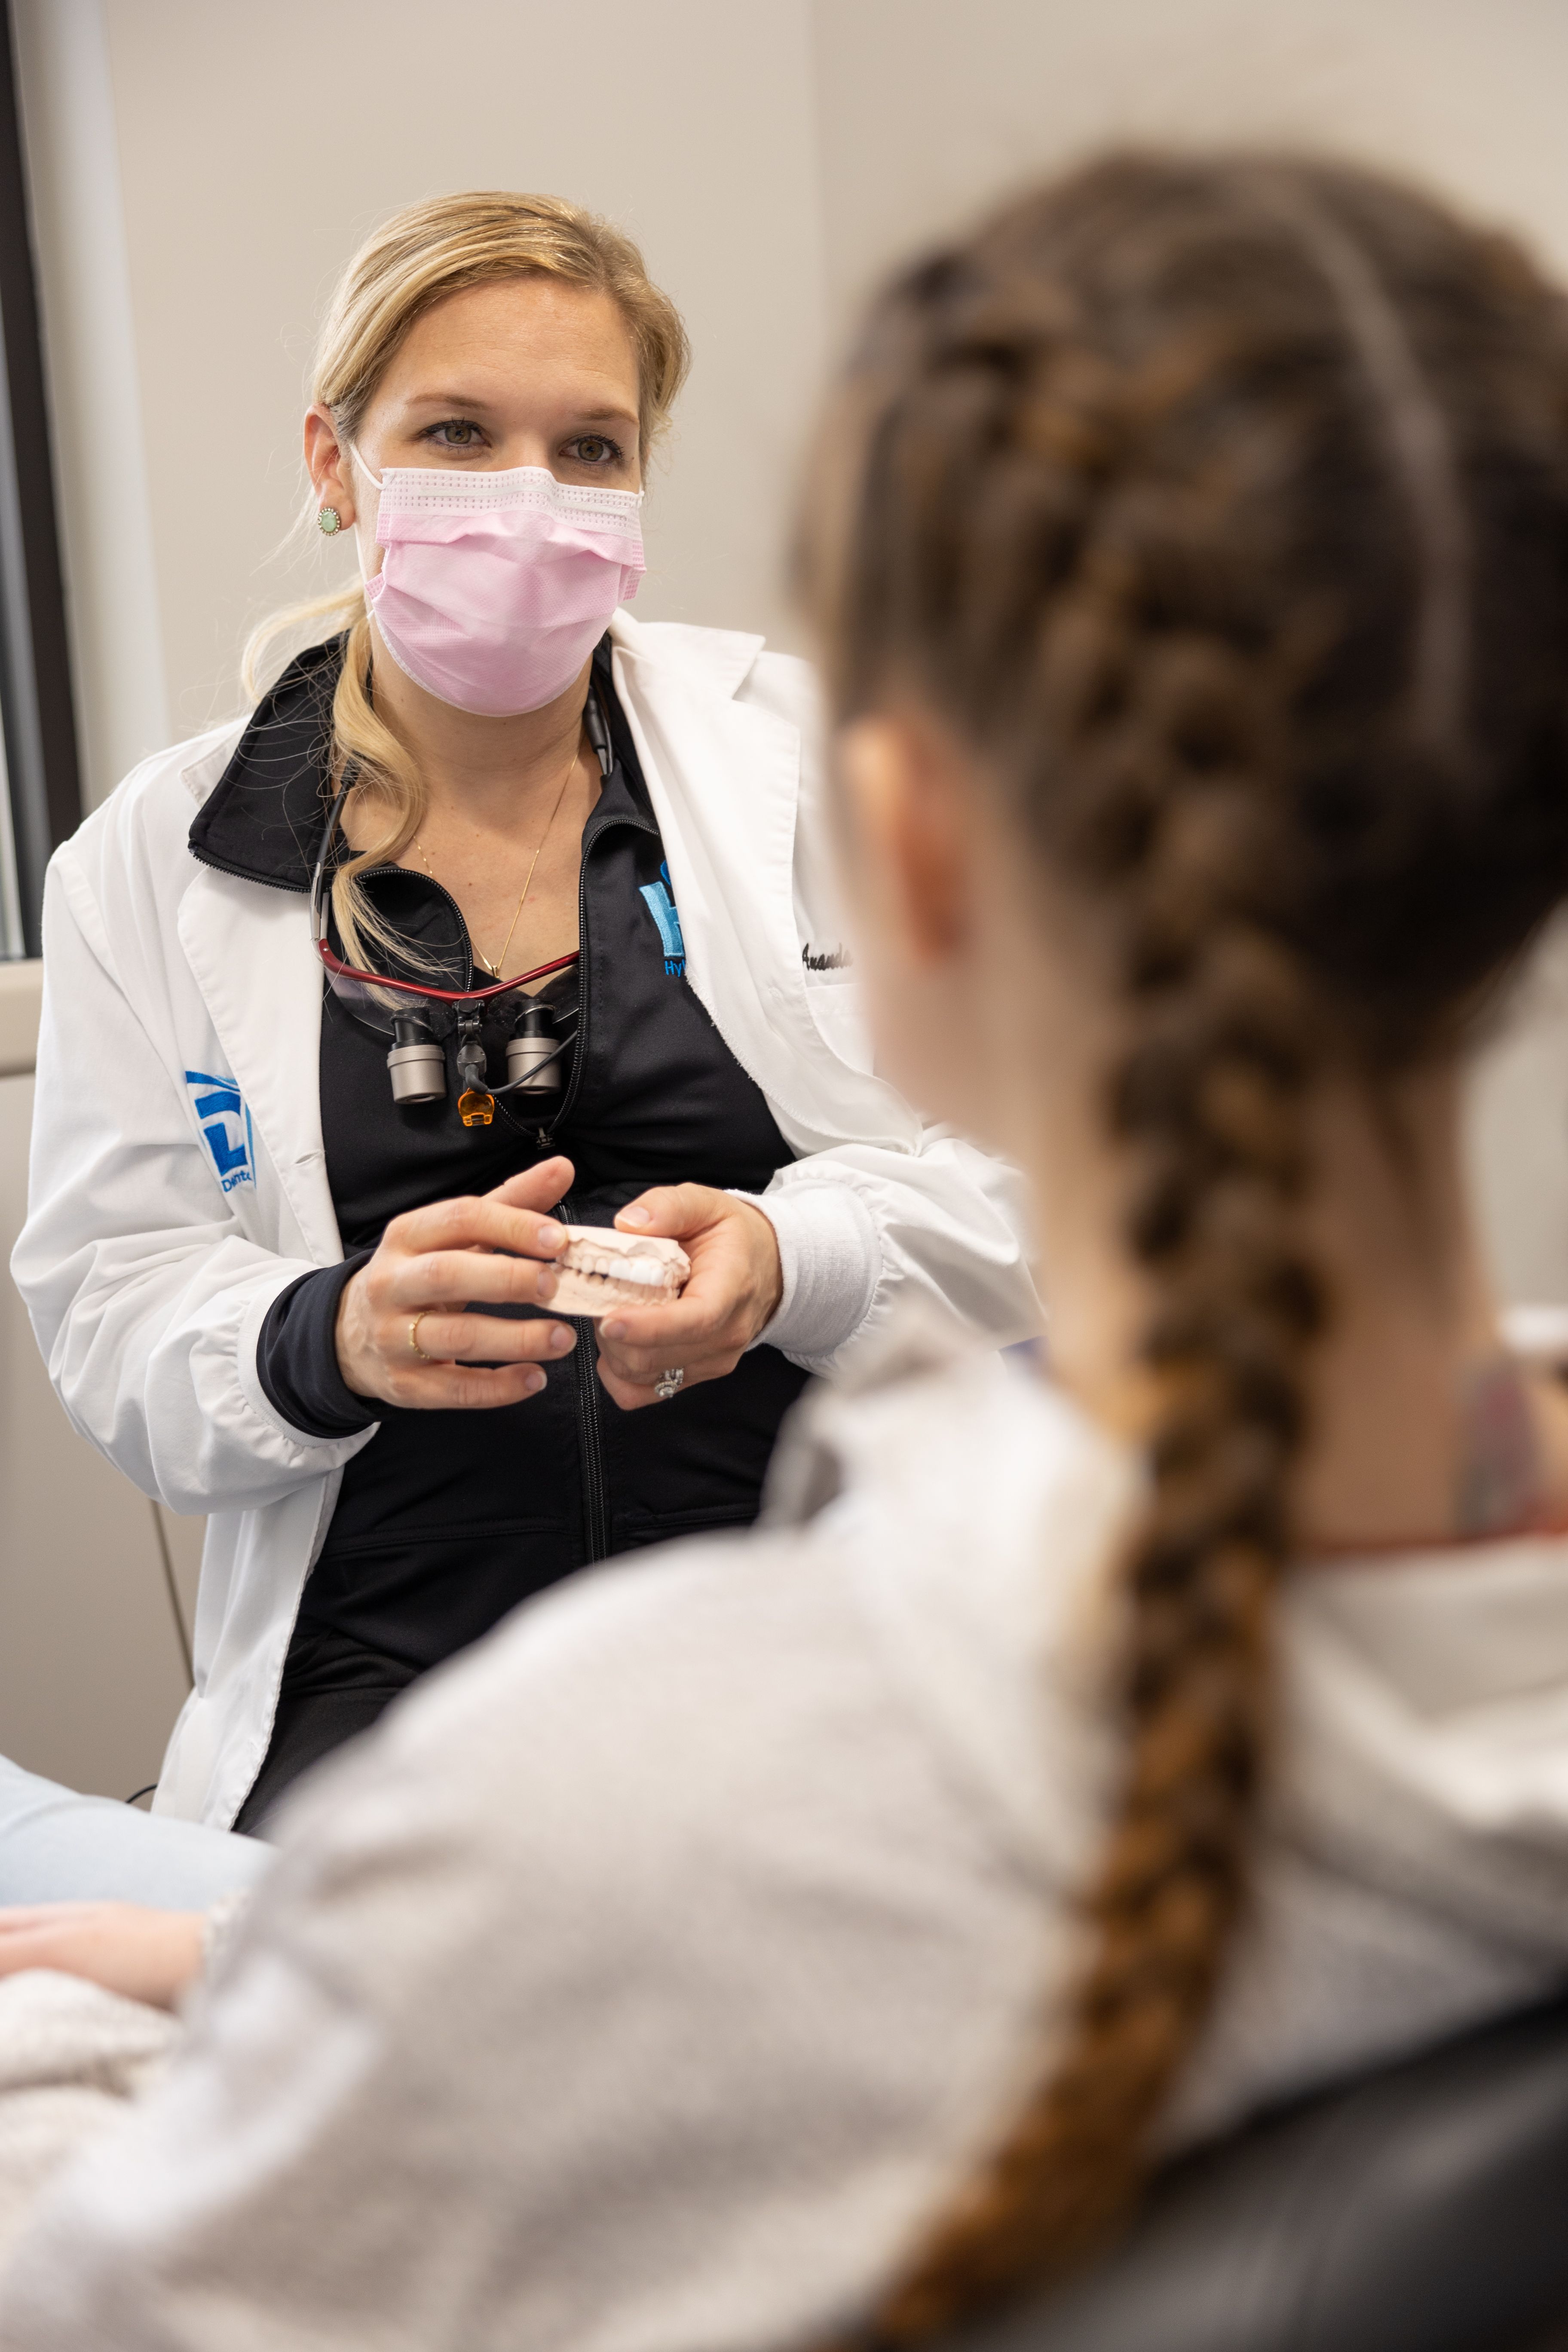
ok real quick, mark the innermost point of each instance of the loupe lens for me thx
(416, 1065)
(381, 1003)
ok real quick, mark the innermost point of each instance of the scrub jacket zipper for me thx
(585, 1355)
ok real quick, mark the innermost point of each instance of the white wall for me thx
(97, 1584)
(928, 110)
(91, 1672)
(201, 168)
(256, 146)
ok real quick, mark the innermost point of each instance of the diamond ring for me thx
(669, 1385)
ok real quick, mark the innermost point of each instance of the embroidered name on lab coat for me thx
(226, 1123)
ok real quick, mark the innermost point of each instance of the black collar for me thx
(263, 818)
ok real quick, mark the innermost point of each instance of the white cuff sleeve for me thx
(831, 1256)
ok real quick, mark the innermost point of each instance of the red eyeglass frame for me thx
(334, 963)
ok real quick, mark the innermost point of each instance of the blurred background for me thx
(190, 176)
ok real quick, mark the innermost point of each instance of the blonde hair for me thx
(411, 262)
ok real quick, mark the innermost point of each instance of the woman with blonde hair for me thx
(502, 911)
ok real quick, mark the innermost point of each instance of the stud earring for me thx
(329, 520)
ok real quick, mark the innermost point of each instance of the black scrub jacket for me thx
(446, 1520)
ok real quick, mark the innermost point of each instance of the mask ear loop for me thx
(377, 483)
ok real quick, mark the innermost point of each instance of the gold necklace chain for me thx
(495, 969)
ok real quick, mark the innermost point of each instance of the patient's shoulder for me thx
(863, 1677)
(631, 1732)
(677, 1929)
(685, 1916)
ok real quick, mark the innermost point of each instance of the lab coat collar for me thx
(724, 779)
(263, 818)
(718, 660)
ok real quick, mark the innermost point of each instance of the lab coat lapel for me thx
(250, 948)
(696, 746)
(724, 781)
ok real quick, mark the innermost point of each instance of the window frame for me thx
(38, 767)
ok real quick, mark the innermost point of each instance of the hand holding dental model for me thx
(685, 1280)
(600, 1269)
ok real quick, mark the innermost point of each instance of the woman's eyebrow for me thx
(468, 400)
(476, 404)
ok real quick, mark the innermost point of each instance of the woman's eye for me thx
(456, 433)
(594, 449)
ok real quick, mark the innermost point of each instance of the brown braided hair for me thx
(1220, 507)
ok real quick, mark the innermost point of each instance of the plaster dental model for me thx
(600, 1269)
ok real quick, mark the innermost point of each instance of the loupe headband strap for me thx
(336, 965)
(319, 871)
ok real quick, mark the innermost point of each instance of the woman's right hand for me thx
(431, 1263)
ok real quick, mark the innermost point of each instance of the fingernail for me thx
(534, 1383)
(561, 1337)
(551, 1236)
(546, 1284)
(611, 1328)
(635, 1217)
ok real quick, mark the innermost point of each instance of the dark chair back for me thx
(1421, 2209)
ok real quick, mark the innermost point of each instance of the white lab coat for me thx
(179, 1183)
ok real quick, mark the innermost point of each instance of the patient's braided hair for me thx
(1220, 507)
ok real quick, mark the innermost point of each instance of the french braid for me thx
(1223, 507)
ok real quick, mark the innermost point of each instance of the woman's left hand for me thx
(733, 1292)
(149, 1956)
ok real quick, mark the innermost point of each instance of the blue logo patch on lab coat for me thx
(661, 907)
(226, 1123)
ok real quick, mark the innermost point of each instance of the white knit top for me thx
(654, 1971)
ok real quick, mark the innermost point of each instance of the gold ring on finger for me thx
(414, 1336)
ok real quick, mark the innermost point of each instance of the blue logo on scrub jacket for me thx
(226, 1123)
(661, 907)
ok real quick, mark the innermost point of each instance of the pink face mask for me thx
(495, 588)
